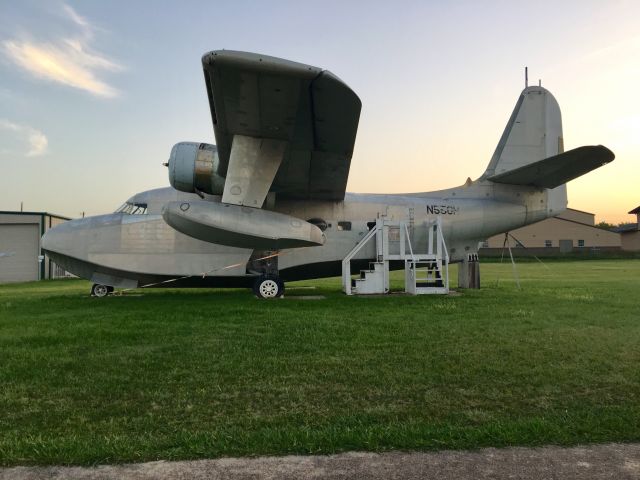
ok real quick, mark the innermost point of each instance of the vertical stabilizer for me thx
(534, 132)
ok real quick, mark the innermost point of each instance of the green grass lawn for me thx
(176, 374)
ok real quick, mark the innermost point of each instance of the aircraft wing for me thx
(299, 121)
(554, 171)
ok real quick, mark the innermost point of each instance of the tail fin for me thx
(531, 150)
(533, 132)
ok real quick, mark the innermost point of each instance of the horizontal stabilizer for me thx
(554, 171)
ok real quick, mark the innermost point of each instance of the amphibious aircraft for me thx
(267, 204)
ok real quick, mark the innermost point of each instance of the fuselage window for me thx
(344, 226)
(139, 209)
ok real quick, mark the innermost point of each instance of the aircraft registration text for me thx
(442, 209)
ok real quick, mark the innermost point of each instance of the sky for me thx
(93, 94)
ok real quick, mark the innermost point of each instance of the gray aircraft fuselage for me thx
(131, 250)
(192, 239)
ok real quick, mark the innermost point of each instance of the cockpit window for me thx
(133, 209)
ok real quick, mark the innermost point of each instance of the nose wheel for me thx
(99, 290)
(268, 286)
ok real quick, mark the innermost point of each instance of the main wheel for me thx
(268, 286)
(99, 290)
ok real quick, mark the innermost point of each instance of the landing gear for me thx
(268, 286)
(99, 290)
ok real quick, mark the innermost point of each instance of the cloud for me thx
(38, 143)
(35, 142)
(624, 47)
(69, 61)
(77, 19)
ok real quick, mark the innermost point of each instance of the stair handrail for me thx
(446, 252)
(441, 237)
(406, 232)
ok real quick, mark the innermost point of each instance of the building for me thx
(630, 233)
(571, 231)
(21, 258)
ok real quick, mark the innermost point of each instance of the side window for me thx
(547, 243)
(124, 208)
(139, 209)
(133, 209)
(344, 226)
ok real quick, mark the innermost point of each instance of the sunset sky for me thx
(93, 94)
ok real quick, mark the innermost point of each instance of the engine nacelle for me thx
(193, 167)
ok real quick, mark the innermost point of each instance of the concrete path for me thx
(612, 461)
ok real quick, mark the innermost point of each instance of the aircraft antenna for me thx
(526, 77)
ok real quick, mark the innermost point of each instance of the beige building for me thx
(630, 234)
(21, 258)
(568, 232)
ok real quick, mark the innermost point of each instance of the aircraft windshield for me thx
(133, 209)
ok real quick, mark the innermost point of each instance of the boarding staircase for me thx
(425, 273)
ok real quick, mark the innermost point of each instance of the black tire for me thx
(268, 286)
(99, 290)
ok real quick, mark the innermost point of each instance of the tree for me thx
(605, 225)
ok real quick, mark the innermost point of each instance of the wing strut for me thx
(253, 165)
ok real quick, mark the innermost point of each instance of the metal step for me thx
(370, 281)
(424, 272)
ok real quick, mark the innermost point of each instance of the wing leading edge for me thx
(311, 110)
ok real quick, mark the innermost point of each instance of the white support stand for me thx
(425, 273)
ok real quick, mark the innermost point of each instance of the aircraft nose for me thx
(52, 240)
(46, 240)
(60, 238)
